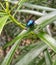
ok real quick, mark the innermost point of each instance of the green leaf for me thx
(10, 54)
(20, 3)
(28, 48)
(38, 7)
(15, 39)
(51, 42)
(32, 54)
(54, 63)
(13, 2)
(41, 61)
(2, 14)
(3, 22)
(45, 20)
(47, 58)
(31, 12)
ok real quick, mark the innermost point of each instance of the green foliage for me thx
(47, 58)
(45, 16)
(48, 40)
(32, 54)
(2, 22)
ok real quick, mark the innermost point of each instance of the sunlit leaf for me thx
(28, 48)
(2, 14)
(2, 22)
(46, 19)
(38, 7)
(51, 42)
(10, 54)
(54, 63)
(32, 54)
(31, 12)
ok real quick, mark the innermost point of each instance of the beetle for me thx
(30, 23)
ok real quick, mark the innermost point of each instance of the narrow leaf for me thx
(28, 48)
(20, 3)
(10, 54)
(31, 12)
(2, 14)
(3, 22)
(15, 39)
(51, 42)
(54, 63)
(38, 7)
(44, 20)
(32, 54)
(47, 58)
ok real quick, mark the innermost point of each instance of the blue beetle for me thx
(30, 23)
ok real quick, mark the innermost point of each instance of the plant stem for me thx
(14, 20)
(2, 6)
(7, 5)
(20, 4)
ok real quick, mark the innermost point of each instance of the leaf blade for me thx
(51, 42)
(2, 22)
(32, 54)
